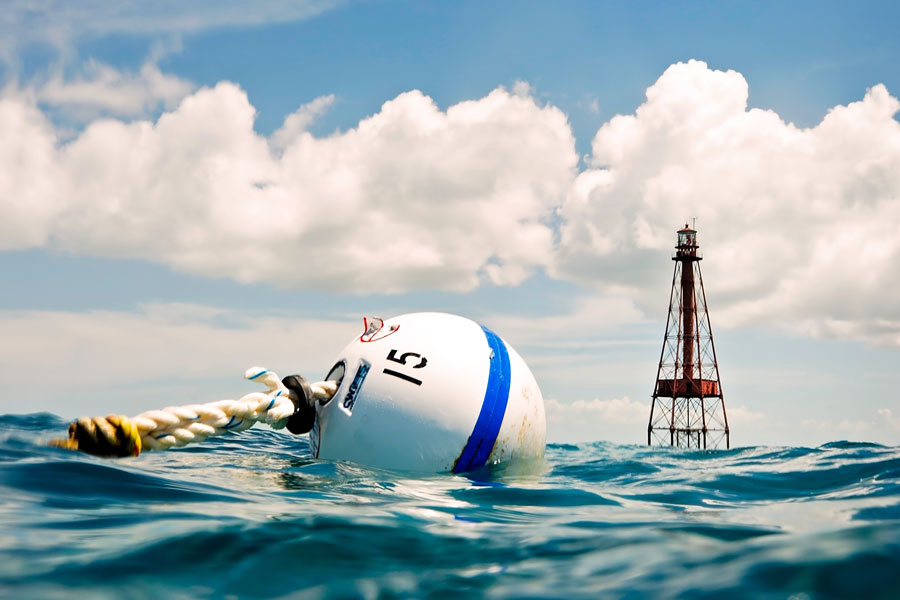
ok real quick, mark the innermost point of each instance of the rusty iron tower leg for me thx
(688, 408)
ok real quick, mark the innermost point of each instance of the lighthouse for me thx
(688, 408)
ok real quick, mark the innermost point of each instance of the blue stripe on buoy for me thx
(493, 408)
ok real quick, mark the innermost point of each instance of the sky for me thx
(191, 189)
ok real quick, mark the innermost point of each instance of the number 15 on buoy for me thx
(430, 391)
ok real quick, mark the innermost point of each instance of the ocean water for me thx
(251, 515)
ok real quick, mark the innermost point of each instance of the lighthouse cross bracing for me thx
(688, 408)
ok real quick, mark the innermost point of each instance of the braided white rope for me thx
(177, 426)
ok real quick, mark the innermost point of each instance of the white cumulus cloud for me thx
(413, 197)
(799, 225)
(296, 123)
(101, 89)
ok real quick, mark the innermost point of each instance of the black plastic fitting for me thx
(304, 416)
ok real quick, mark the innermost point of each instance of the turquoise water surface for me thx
(251, 515)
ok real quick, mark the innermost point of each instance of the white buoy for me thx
(430, 391)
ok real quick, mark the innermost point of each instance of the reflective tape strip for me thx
(496, 396)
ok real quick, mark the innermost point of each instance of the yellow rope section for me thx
(113, 435)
